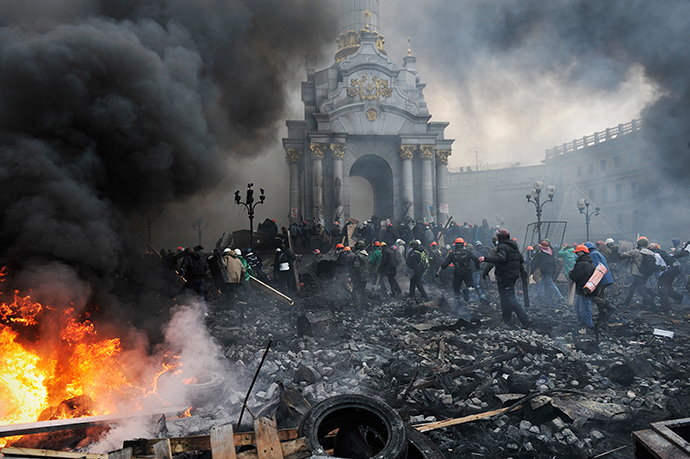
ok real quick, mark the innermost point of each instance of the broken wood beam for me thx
(293, 449)
(463, 420)
(124, 453)
(13, 451)
(162, 449)
(28, 428)
(270, 290)
(144, 447)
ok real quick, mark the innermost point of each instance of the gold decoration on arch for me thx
(372, 114)
(369, 89)
(427, 151)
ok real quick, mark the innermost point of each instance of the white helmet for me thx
(238, 252)
(609, 241)
(228, 250)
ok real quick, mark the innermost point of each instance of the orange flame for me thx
(32, 379)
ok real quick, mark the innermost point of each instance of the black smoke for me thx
(113, 109)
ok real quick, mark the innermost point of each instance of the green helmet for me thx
(359, 245)
(414, 243)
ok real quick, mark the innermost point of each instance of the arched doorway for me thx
(379, 174)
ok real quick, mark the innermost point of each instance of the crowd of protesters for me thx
(375, 260)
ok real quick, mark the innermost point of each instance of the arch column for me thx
(427, 154)
(317, 152)
(406, 154)
(443, 212)
(338, 150)
(294, 156)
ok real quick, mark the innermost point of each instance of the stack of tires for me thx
(359, 427)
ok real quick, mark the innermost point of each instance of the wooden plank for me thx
(223, 442)
(12, 451)
(457, 421)
(293, 449)
(144, 447)
(162, 449)
(267, 440)
(28, 428)
(124, 453)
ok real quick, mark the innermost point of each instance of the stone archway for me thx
(379, 174)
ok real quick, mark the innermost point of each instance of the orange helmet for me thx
(581, 248)
(339, 246)
(377, 243)
(347, 249)
(459, 241)
(433, 243)
(529, 247)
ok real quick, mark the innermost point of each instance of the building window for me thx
(619, 192)
(591, 195)
(604, 194)
(603, 165)
(591, 168)
(579, 171)
(617, 161)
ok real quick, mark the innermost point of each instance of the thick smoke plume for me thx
(570, 51)
(112, 109)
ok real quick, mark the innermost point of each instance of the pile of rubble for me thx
(588, 392)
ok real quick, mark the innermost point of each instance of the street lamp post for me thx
(535, 198)
(249, 204)
(583, 207)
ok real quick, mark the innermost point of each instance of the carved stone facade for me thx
(366, 116)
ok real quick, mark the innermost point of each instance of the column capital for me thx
(407, 151)
(442, 156)
(318, 150)
(293, 154)
(338, 150)
(427, 151)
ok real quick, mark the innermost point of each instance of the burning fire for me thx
(35, 377)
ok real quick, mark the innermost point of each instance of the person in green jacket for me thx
(567, 253)
(375, 262)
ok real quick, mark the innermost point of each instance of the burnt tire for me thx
(420, 447)
(367, 427)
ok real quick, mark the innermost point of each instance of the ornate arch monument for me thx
(365, 116)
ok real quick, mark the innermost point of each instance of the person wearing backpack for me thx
(462, 259)
(643, 265)
(359, 273)
(666, 278)
(606, 310)
(418, 261)
(193, 269)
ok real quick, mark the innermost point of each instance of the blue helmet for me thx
(590, 245)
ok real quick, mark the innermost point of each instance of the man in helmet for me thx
(666, 277)
(435, 258)
(580, 274)
(388, 269)
(509, 266)
(462, 259)
(418, 261)
(359, 273)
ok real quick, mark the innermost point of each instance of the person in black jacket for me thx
(415, 260)
(462, 259)
(580, 274)
(509, 266)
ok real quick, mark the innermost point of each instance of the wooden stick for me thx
(457, 421)
(256, 374)
(609, 452)
(270, 290)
